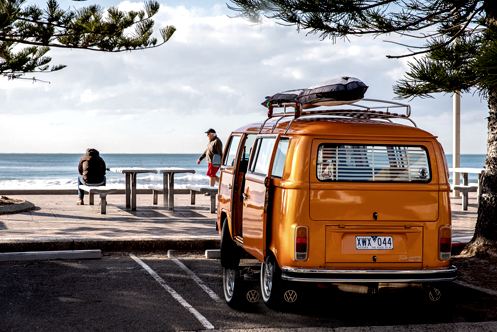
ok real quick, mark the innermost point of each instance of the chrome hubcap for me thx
(229, 282)
(268, 280)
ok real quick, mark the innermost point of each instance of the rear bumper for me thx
(365, 276)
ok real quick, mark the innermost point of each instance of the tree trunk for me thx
(484, 241)
(485, 237)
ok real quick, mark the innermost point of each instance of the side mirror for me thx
(267, 181)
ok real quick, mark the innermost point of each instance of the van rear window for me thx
(378, 163)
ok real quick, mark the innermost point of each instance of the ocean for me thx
(60, 171)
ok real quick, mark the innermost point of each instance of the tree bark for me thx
(484, 241)
(485, 236)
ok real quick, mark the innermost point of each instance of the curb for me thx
(123, 244)
(14, 245)
(50, 255)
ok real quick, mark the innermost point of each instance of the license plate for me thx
(373, 242)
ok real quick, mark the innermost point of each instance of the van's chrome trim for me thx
(365, 276)
(238, 240)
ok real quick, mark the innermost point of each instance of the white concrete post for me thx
(456, 146)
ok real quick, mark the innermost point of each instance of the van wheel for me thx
(230, 253)
(271, 283)
(233, 288)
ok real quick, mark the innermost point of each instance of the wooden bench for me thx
(103, 191)
(212, 191)
(465, 189)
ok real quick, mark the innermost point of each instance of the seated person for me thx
(92, 172)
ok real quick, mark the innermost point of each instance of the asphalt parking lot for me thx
(151, 292)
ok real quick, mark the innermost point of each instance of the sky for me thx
(213, 73)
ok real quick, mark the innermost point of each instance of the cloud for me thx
(215, 69)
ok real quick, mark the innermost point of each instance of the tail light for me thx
(301, 246)
(445, 242)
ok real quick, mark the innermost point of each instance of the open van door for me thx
(255, 195)
(233, 171)
(227, 177)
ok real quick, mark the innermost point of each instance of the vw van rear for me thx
(346, 197)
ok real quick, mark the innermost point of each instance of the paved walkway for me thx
(58, 223)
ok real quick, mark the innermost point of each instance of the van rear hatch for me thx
(374, 201)
(356, 182)
(369, 244)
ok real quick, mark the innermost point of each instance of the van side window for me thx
(377, 163)
(261, 158)
(247, 148)
(229, 159)
(279, 158)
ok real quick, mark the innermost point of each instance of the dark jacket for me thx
(215, 146)
(92, 167)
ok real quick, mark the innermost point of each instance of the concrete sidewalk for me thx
(58, 223)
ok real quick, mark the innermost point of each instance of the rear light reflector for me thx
(445, 243)
(301, 245)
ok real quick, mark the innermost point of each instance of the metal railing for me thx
(380, 109)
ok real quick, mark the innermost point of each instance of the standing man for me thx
(214, 147)
(91, 172)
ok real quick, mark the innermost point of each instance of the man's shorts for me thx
(211, 170)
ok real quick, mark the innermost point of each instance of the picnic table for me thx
(168, 183)
(130, 175)
(466, 187)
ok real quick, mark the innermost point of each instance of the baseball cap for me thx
(210, 130)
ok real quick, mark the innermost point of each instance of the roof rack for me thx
(380, 110)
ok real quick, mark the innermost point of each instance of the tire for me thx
(230, 252)
(271, 283)
(233, 287)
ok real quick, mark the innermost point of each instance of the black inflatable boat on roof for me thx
(284, 97)
(337, 91)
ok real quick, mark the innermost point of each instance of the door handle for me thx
(244, 196)
(229, 187)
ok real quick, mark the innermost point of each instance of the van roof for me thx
(332, 126)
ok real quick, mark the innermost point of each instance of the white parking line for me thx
(197, 280)
(174, 294)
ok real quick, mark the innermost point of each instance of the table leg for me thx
(103, 203)
(192, 197)
(465, 197)
(171, 191)
(213, 203)
(133, 192)
(127, 177)
(165, 189)
(465, 200)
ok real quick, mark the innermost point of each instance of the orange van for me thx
(346, 196)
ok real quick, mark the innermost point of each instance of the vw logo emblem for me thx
(290, 296)
(253, 296)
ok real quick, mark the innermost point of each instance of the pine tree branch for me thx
(449, 41)
(88, 46)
